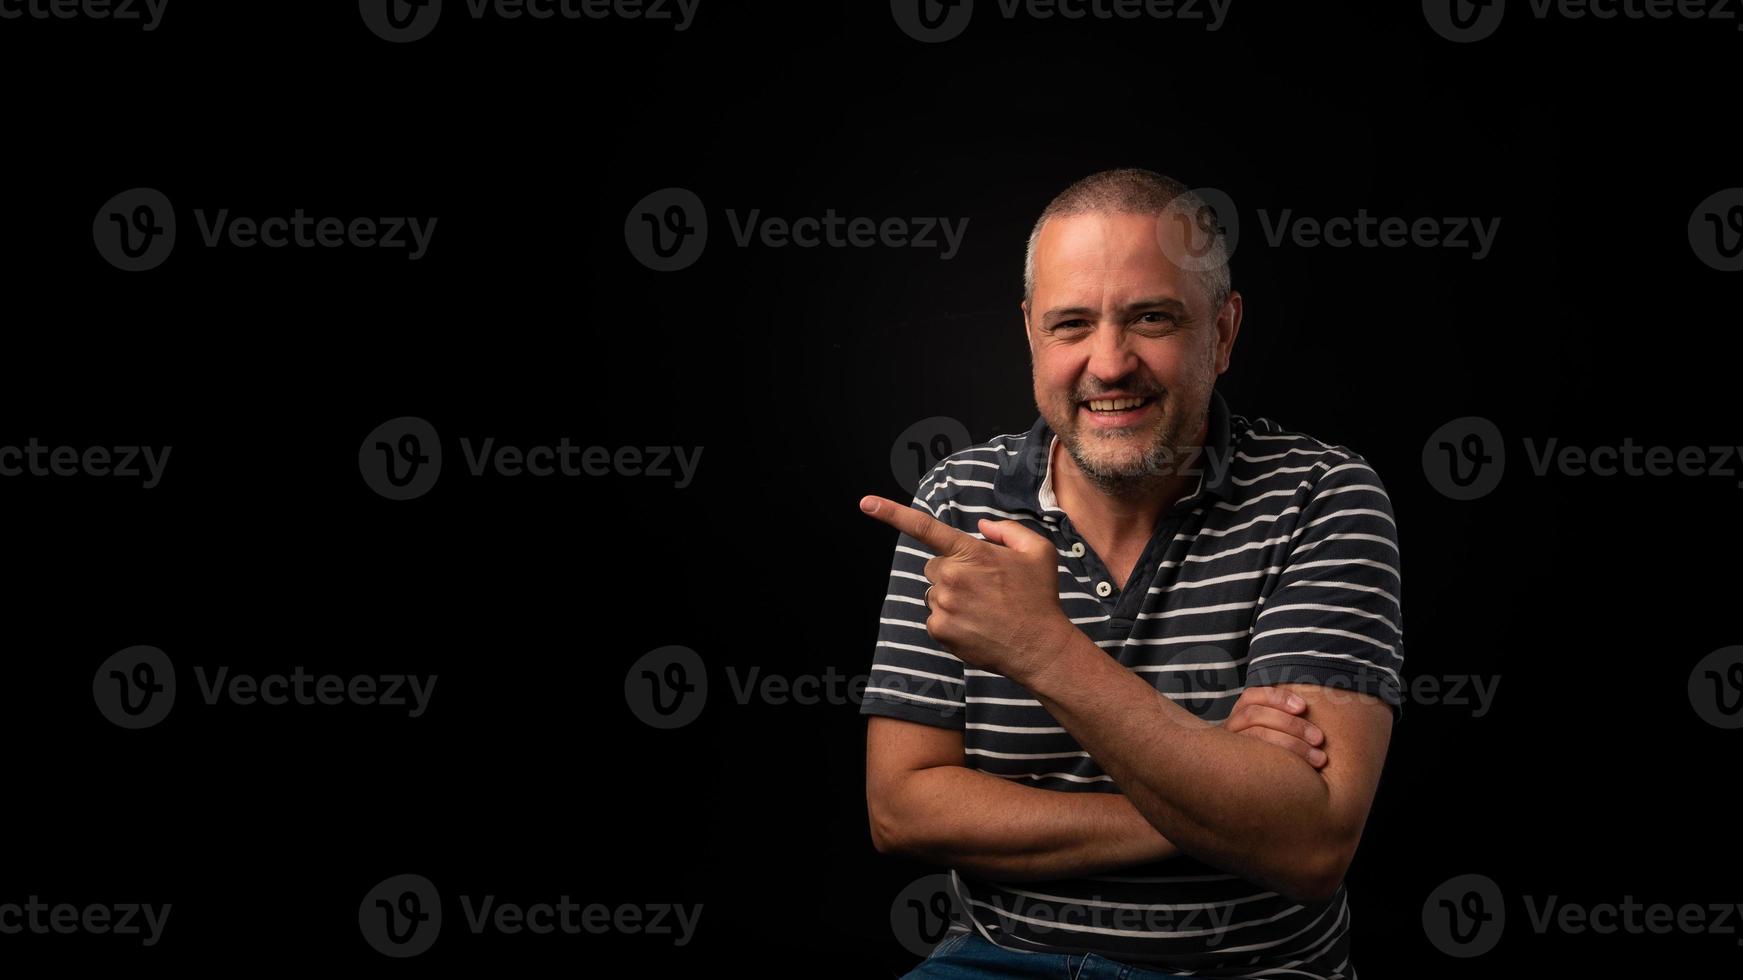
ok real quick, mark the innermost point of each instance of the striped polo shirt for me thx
(1281, 566)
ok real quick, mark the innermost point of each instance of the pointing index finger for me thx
(941, 537)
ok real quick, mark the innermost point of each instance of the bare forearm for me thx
(994, 828)
(1231, 802)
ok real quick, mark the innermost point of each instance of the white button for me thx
(1103, 589)
(1077, 549)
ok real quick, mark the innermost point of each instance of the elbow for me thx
(883, 838)
(1319, 879)
(1312, 891)
(885, 828)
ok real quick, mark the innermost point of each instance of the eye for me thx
(1071, 324)
(1158, 321)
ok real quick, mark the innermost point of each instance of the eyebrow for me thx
(1155, 302)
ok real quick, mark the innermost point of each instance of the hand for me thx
(993, 603)
(1272, 715)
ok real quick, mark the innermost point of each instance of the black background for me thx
(1588, 600)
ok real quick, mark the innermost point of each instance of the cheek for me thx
(1054, 378)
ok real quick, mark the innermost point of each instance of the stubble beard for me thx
(1106, 457)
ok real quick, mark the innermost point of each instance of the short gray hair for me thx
(1134, 190)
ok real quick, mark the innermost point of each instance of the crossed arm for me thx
(1234, 803)
(923, 801)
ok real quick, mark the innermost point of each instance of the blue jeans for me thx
(967, 956)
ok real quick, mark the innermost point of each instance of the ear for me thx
(1228, 324)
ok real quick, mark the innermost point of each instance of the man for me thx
(1075, 614)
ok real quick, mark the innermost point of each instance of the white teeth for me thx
(1114, 404)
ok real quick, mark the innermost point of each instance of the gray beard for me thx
(1162, 461)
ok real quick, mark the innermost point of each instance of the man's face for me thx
(1111, 317)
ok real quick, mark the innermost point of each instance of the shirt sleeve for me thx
(1333, 615)
(912, 677)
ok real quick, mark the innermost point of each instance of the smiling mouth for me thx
(1115, 406)
(1116, 413)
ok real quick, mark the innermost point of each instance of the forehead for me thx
(1103, 250)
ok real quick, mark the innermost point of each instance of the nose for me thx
(1111, 356)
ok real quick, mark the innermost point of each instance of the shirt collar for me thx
(1214, 463)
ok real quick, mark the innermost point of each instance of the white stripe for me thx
(1351, 511)
(1346, 536)
(1135, 933)
(905, 696)
(1243, 505)
(1216, 533)
(1025, 755)
(1327, 631)
(1198, 610)
(1016, 729)
(1147, 907)
(1266, 476)
(1070, 777)
(980, 509)
(1328, 656)
(1304, 452)
(915, 649)
(1191, 638)
(1249, 546)
(1218, 580)
(953, 481)
(1326, 607)
(1345, 561)
(911, 672)
(1326, 584)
